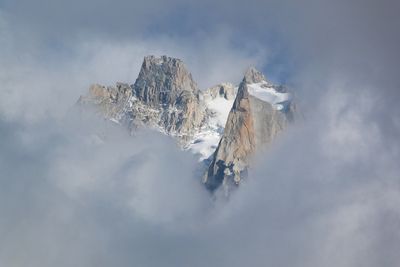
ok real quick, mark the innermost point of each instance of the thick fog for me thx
(76, 190)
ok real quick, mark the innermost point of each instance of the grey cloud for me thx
(33, 87)
(326, 194)
(63, 189)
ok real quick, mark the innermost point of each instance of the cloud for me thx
(80, 192)
(39, 81)
(63, 187)
(136, 200)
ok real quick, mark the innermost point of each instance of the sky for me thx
(325, 194)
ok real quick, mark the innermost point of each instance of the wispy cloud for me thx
(78, 191)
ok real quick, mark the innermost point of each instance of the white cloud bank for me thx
(325, 195)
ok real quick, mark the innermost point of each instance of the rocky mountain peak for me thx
(252, 75)
(164, 81)
(163, 97)
(224, 124)
(257, 117)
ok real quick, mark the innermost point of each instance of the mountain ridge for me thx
(225, 125)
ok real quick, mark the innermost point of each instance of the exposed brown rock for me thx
(164, 84)
(164, 96)
(110, 101)
(252, 124)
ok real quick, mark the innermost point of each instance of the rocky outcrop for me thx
(164, 97)
(252, 123)
(110, 101)
(225, 90)
(166, 89)
(163, 80)
(252, 75)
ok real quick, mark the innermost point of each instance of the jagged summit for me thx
(162, 80)
(255, 120)
(252, 75)
(163, 97)
(166, 86)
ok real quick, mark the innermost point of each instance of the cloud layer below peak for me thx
(78, 191)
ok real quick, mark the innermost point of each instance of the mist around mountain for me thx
(80, 189)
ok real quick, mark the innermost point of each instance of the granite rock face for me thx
(165, 81)
(166, 88)
(164, 97)
(252, 124)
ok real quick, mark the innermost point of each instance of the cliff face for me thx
(165, 95)
(165, 81)
(253, 122)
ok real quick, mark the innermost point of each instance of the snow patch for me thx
(265, 92)
(206, 141)
(114, 120)
(220, 108)
(204, 144)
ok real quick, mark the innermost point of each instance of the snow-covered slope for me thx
(220, 108)
(268, 93)
(219, 100)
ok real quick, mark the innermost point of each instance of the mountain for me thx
(165, 86)
(163, 97)
(224, 125)
(260, 112)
